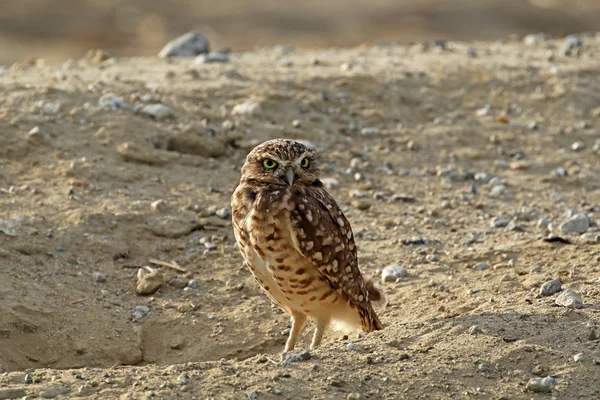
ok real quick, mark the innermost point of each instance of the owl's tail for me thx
(376, 294)
(370, 320)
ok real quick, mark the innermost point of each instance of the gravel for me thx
(113, 102)
(370, 131)
(498, 222)
(579, 357)
(223, 213)
(569, 299)
(188, 45)
(577, 224)
(541, 385)
(551, 287)
(474, 330)
(99, 277)
(157, 111)
(571, 43)
(149, 282)
(139, 313)
(482, 266)
(392, 273)
(498, 191)
(248, 108)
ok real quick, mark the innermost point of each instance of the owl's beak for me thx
(290, 176)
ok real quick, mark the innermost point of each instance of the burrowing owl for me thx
(298, 244)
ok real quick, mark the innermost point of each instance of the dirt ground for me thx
(97, 191)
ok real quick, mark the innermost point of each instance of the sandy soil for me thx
(94, 193)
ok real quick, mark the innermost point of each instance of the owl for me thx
(298, 244)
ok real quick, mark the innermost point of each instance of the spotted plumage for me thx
(298, 244)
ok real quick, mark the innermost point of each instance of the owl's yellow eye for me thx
(305, 163)
(269, 164)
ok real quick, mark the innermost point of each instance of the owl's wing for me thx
(324, 237)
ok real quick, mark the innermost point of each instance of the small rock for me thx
(482, 112)
(354, 396)
(543, 224)
(370, 131)
(158, 205)
(99, 277)
(228, 125)
(432, 258)
(497, 191)
(36, 135)
(535, 38)
(361, 204)
(296, 123)
(253, 395)
(12, 393)
(351, 346)
(99, 55)
(571, 43)
(541, 385)
(578, 224)
(28, 379)
(211, 58)
(139, 313)
(193, 284)
(112, 102)
(579, 357)
(482, 266)
(498, 222)
(285, 48)
(290, 358)
(392, 273)
(578, 146)
(157, 111)
(569, 299)
(178, 283)
(535, 270)
(149, 282)
(188, 45)
(248, 108)
(592, 238)
(51, 108)
(513, 226)
(210, 246)
(223, 213)
(550, 287)
(183, 379)
(330, 183)
(474, 330)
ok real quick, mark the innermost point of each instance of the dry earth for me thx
(95, 192)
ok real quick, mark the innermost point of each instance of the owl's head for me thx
(282, 162)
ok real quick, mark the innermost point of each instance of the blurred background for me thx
(59, 29)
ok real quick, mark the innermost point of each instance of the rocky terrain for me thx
(470, 173)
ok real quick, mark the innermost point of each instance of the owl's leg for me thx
(298, 321)
(322, 324)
